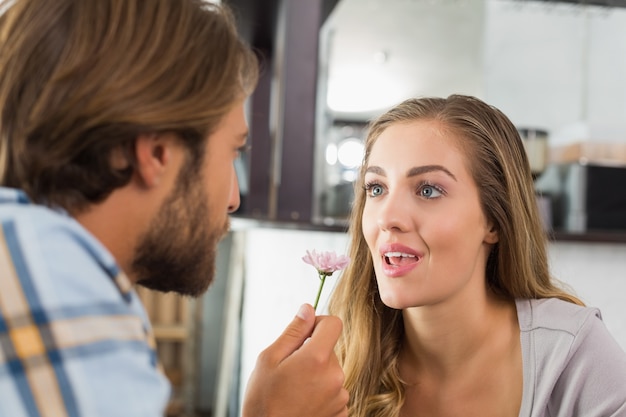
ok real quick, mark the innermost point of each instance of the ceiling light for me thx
(362, 89)
(350, 152)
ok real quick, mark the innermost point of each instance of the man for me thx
(120, 122)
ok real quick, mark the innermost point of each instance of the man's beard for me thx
(178, 251)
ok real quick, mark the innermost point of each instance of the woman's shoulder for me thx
(572, 363)
(554, 314)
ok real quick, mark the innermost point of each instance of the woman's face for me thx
(422, 219)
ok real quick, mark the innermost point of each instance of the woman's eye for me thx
(374, 190)
(429, 191)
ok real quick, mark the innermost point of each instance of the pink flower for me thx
(326, 264)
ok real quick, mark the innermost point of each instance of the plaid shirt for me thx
(74, 338)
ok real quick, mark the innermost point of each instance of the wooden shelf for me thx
(170, 332)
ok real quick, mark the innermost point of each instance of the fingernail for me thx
(303, 312)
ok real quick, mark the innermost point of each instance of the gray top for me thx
(572, 364)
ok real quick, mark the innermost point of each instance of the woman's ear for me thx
(492, 235)
(153, 153)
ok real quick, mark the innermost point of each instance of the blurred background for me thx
(556, 68)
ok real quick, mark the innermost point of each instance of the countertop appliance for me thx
(585, 197)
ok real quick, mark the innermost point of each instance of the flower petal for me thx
(326, 262)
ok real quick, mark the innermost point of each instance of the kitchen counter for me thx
(597, 236)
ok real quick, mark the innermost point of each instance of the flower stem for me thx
(319, 291)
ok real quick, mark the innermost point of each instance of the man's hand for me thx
(297, 379)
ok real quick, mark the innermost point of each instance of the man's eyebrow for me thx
(413, 171)
(244, 148)
(243, 137)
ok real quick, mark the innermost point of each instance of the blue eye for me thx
(374, 190)
(429, 191)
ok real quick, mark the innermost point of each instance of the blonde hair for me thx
(517, 266)
(80, 78)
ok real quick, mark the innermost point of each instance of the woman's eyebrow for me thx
(413, 171)
(376, 170)
(429, 168)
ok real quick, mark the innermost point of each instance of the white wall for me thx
(278, 282)
(597, 274)
(560, 67)
(552, 65)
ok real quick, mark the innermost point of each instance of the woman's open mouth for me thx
(397, 262)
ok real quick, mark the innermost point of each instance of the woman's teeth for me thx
(398, 255)
(397, 258)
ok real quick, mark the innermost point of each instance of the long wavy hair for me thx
(80, 78)
(517, 266)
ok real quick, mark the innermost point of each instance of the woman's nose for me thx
(394, 213)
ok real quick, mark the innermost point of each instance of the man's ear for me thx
(153, 153)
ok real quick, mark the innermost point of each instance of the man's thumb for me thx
(295, 334)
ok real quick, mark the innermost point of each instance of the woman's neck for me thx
(441, 339)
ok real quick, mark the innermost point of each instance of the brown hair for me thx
(517, 266)
(81, 78)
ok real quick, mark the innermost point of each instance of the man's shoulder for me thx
(51, 253)
(37, 227)
(36, 233)
(18, 213)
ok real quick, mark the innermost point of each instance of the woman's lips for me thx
(398, 260)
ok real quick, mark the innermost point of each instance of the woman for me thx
(448, 305)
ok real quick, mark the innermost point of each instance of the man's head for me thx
(93, 92)
(177, 250)
(79, 79)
